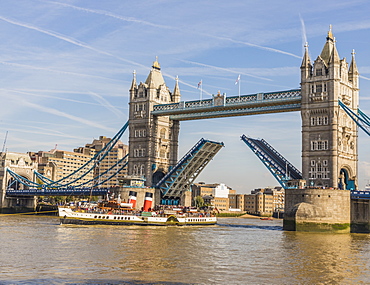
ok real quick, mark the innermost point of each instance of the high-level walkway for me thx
(222, 106)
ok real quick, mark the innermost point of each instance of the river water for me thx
(38, 250)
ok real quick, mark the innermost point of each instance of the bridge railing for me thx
(233, 100)
(57, 192)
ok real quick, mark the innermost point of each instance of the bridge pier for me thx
(360, 215)
(317, 210)
(18, 204)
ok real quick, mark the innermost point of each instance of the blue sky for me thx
(66, 68)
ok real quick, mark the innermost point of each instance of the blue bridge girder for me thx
(280, 168)
(57, 192)
(222, 106)
(360, 118)
(187, 169)
(358, 194)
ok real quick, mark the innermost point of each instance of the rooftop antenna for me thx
(6, 136)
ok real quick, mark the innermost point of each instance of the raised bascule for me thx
(317, 198)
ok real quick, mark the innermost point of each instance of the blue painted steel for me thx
(22, 179)
(58, 192)
(281, 169)
(358, 194)
(167, 181)
(171, 202)
(361, 119)
(53, 186)
(261, 103)
(96, 159)
(114, 174)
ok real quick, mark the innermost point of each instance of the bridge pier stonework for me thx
(329, 144)
(21, 164)
(317, 210)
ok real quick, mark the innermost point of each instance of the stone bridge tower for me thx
(153, 141)
(23, 165)
(329, 135)
(329, 144)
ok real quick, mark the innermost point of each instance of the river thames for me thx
(38, 250)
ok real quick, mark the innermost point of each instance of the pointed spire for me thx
(133, 84)
(353, 66)
(328, 47)
(156, 64)
(176, 91)
(155, 78)
(334, 57)
(330, 33)
(306, 62)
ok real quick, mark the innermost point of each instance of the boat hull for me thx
(67, 216)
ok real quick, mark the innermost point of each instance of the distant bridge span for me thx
(222, 106)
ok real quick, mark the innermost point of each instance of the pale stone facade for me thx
(317, 210)
(118, 151)
(217, 194)
(329, 144)
(22, 164)
(329, 135)
(153, 141)
(57, 164)
(261, 201)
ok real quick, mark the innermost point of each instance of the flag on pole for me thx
(199, 84)
(237, 80)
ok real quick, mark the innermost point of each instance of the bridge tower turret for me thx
(329, 136)
(153, 141)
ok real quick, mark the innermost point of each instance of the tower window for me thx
(319, 145)
(313, 121)
(141, 169)
(163, 133)
(318, 88)
(319, 121)
(319, 72)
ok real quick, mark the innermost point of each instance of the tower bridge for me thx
(329, 94)
(329, 134)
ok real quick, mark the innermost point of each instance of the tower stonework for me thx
(329, 144)
(329, 135)
(153, 141)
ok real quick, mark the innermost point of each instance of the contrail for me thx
(62, 114)
(252, 45)
(52, 97)
(109, 14)
(226, 69)
(69, 40)
(106, 13)
(106, 104)
(363, 77)
(304, 34)
(42, 131)
(54, 70)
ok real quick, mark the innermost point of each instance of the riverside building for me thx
(217, 194)
(261, 201)
(57, 164)
(118, 151)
